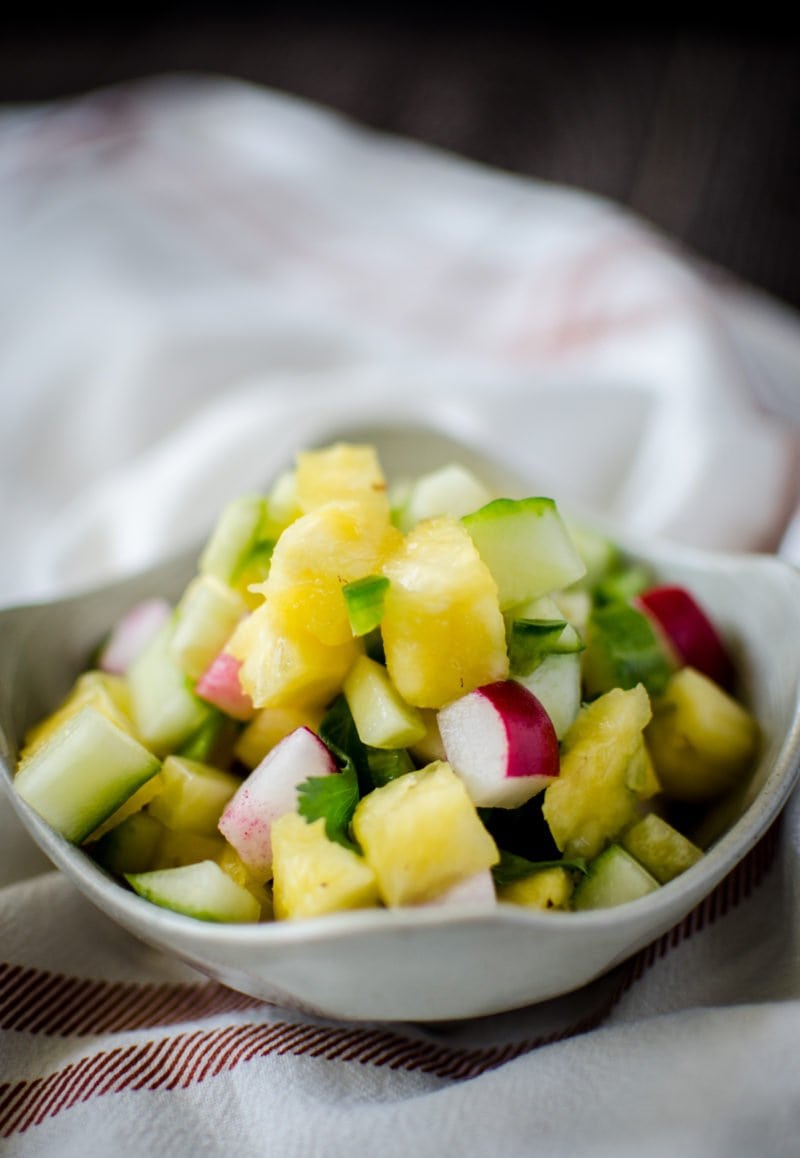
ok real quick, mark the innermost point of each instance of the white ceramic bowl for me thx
(427, 964)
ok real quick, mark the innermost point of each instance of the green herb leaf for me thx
(514, 868)
(334, 799)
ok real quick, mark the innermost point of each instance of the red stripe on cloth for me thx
(35, 1001)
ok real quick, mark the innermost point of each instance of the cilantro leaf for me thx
(334, 799)
(514, 868)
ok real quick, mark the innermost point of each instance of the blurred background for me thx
(692, 123)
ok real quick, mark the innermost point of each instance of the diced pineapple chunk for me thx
(703, 742)
(192, 795)
(286, 666)
(340, 472)
(231, 863)
(317, 555)
(550, 888)
(443, 631)
(421, 834)
(269, 727)
(592, 800)
(313, 875)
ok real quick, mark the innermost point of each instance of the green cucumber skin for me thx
(613, 878)
(364, 599)
(233, 537)
(526, 546)
(84, 773)
(203, 891)
(165, 709)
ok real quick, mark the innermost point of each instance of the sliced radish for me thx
(270, 791)
(130, 634)
(501, 742)
(688, 629)
(219, 685)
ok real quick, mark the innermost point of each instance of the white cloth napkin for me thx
(199, 277)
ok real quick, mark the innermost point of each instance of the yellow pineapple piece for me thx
(192, 795)
(93, 689)
(341, 472)
(231, 863)
(268, 727)
(321, 551)
(443, 631)
(285, 666)
(602, 756)
(550, 888)
(421, 834)
(313, 875)
(702, 741)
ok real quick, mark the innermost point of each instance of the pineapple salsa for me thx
(374, 697)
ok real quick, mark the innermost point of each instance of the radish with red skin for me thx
(501, 742)
(268, 792)
(130, 634)
(219, 685)
(689, 631)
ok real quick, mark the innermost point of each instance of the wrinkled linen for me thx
(200, 277)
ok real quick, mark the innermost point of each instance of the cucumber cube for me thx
(526, 546)
(84, 772)
(614, 878)
(233, 537)
(206, 616)
(200, 890)
(166, 711)
(382, 717)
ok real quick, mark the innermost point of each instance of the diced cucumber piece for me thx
(664, 852)
(233, 537)
(613, 878)
(364, 600)
(451, 490)
(543, 651)
(177, 848)
(623, 585)
(83, 773)
(526, 546)
(387, 764)
(599, 553)
(192, 795)
(206, 616)
(623, 650)
(214, 741)
(382, 717)
(131, 847)
(530, 640)
(556, 683)
(165, 709)
(201, 890)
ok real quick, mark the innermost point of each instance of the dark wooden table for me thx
(694, 125)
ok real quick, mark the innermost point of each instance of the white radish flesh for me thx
(501, 742)
(269, 791)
